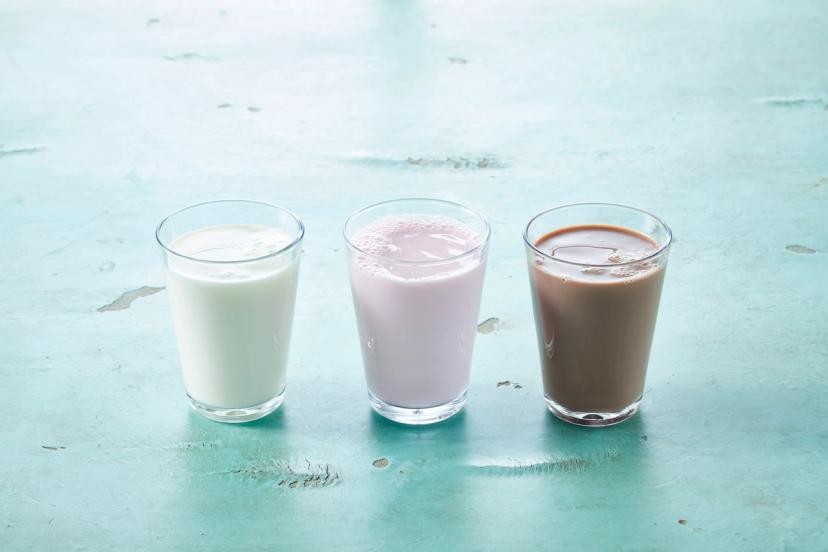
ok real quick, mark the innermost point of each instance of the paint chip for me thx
(682, 522)
(380, 463)
(801, 249)
(125, 300)
(489, 325)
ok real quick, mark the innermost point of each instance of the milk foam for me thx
(415, 239)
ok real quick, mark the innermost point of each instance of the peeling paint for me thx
(457, 163)
(793, 101)
(801, 249)
(19, 151)
(125, 300)
(513, 467)
(489, 325)
(286, 475)
(190, 56)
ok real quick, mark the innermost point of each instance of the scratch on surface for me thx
(489, 325)
(152, 21)
(507, 383)
(224, 105)
(801, 249)
(125, 300)
(792, 101)
(49, 447)
(821, 181)
(512, 467)
(19, 151)
(253, 109)
(458, 60)
(286, 475)
(186, 56)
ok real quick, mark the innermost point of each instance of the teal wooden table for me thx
(712, 115)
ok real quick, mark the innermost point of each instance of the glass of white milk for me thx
(232, 268)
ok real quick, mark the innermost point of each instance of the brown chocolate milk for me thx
(595, 323)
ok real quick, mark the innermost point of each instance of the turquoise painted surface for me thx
(712, 115)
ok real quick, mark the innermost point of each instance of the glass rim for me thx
(479, 247)
(662, 249)
(293, 243)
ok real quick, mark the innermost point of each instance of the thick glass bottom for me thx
(595, 419)
(238, 415)
(417, 416)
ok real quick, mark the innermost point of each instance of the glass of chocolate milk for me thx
(416, 268)
(596, 272)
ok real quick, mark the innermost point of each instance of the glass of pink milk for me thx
(416, 269)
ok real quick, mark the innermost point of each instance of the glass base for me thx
(599, 419)
(417, 416)
(237, 415)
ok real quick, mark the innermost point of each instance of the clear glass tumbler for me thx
(596, 271)
(231, 269)
(416, 268)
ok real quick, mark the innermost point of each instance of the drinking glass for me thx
(232, 308)
(417, 319)
(595, 322)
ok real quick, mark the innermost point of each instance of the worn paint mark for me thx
(286, 475)
(49, 447)
(507, 383)
(489, 325)
(801, 249)
(793, 101)
(512, 467)
(380, 463)
(203, 445)
(224, 105)
(682, 522)
(152, 21)
(108, 266)
(457, 163)
(253, 109)
(191, 56)
(19, 151)
(458, 60)
(125, 300)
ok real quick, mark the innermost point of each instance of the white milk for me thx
(233, 321)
